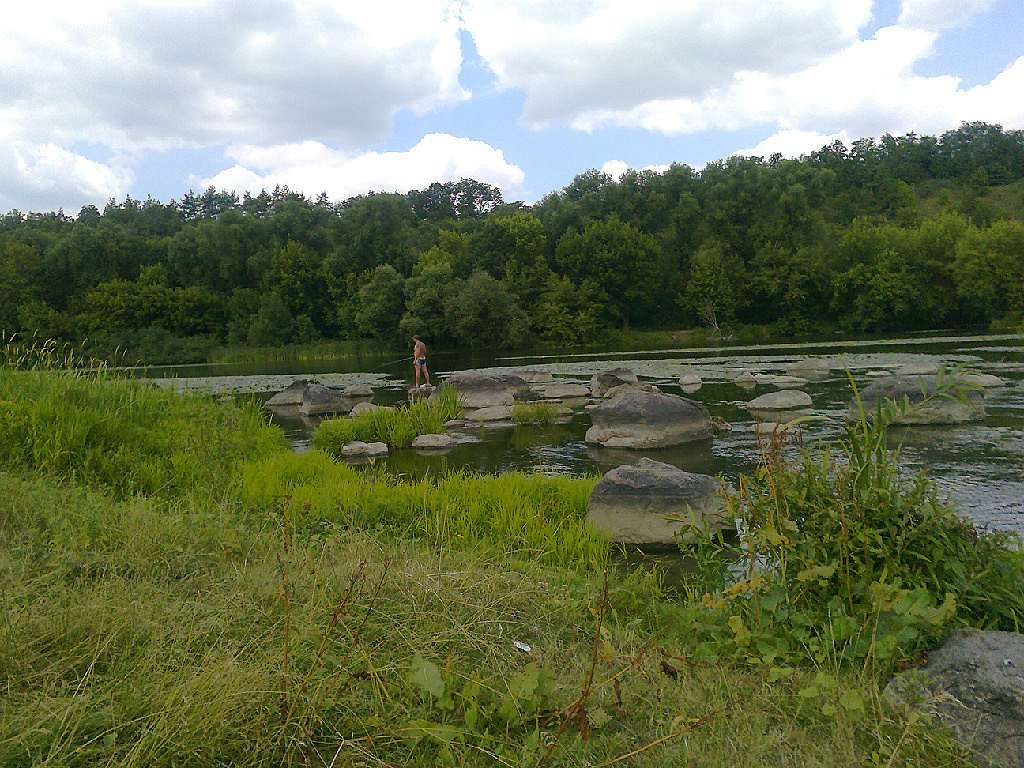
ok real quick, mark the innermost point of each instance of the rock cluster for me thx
(638, 419)
(927, 404)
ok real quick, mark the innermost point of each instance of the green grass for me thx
(113, 432)
(517, 515)
(397, 427)
(543, 414)
(149, 633)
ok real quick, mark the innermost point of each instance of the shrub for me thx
(543, 414)
(846, 559)
(397, 427)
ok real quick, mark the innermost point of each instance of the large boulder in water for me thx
(290, 396)
(975, 684)
(638, 419)
(318, 400)
(481, 390)
(649, 503)
(928, 405)
(433, 442)
(600, 383)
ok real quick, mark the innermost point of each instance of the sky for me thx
(155, 97)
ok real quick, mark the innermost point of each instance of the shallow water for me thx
(979, 466)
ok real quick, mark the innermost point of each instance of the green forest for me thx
(900, 233)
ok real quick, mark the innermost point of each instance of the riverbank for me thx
(172, 599)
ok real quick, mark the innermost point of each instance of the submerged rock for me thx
(358, 390)
(690, 382)
(650, 502)
(974, 682)
(810, 368)
(531, 376)
(984, 380)
(779, 380)
(480, 390)
(600, 383)
(358, 448)
(638, 419)
(291, 395)
(927, 404)
(317, 400)
(783, 400)
(433, 442)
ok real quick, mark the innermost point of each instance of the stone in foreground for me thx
(783, 400)
(638, 419)
(358, 448)
(480, 390)
(291, 395)
(318, 400)
(600, 383)
(650, 502)
(975, 684)
(433, 442)
(927, 406)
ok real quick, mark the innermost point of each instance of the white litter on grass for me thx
(524, 647)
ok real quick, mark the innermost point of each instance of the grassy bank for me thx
(272, 609)
(320, 350)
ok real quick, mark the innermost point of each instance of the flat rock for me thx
(600, 383)
(638, 386)
(358, 448)
(317, 400)
(918, 369)
(974, 683)
(366, 407)
(433, 442)
(779, 380)
(927, 405)
(481, 390)
(810, 368)
(638, 419)
(491, 413)
(562, 390)
(291, 395)
(783, 400)
(744, 379)
(690, 382)
(650, 503)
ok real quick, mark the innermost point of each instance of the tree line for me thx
(895, 234)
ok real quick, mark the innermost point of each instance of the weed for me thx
(543, 414)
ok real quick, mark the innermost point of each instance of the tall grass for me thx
(543, 414)
(129, 437)
(527, 516)
(321, 350)
(397, 427)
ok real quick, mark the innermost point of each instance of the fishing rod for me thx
(393, 362)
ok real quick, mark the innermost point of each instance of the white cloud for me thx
(615, 168)
(793, 143)
(46, 177)
(312, 167)
(941, 14)
(154, 73)
(579, 57)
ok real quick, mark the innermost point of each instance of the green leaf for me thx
(598, 717)
(779, 673)
(823, 572)
(426, 676)
(740, 633)
(852, 701)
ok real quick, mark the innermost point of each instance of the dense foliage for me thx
(900, 233)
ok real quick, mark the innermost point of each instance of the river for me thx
(979, 466)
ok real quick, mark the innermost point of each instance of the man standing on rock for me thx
(419, 360)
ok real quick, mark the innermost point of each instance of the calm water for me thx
(980, 466)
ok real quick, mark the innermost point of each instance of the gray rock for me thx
(433, 442)
(744, 379)
(317, 400)
(984, 380)
(359, 390)
(918, 369)
(638, 419)
(423, 390)
(779, 380)
(600, 383)
(927, 406)
(690, 382)
(810, 368)
(366, 407)
(531, 376)
(291, 395)
(560, 390)
(480, 390)
(974, 683)
(638, 386)
(358, 448)
(783, 400)
(649, 503)
(491, 413)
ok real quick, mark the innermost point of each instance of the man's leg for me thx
(416, 366)
(426, 373)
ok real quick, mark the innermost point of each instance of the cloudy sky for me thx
(151, 97)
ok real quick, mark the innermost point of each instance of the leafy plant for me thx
(543, 414)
